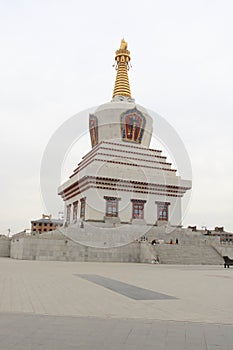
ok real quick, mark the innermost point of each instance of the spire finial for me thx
(122, 59)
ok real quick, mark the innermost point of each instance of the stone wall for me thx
(34, 248)
(16, 248)
(5, 247)
(64, 249)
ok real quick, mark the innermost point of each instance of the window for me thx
(75, 211)
(138, 208)
(132, 125)
(82, 208)
(111, 206)
(68, 210)
(93, 127)
(162, 210)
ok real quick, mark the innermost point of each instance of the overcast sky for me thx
(56, 60)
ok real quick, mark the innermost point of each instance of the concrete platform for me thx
(49, 305)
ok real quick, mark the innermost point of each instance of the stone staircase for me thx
(187, 254)
(105, 236)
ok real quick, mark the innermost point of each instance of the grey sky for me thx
(56, 60)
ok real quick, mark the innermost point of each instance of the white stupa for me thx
(121, 181)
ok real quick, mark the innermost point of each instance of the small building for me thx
(224, 236)
(45, 224)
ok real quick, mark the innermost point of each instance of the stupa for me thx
(121, 181)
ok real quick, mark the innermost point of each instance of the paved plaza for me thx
(73, 305)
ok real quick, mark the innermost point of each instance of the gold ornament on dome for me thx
(122, 58)
(124, 45)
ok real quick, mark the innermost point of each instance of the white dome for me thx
(121, 120)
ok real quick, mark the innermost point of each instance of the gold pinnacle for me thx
(122, 59)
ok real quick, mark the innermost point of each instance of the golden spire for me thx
(122, 66)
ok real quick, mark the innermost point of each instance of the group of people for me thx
(159, 241)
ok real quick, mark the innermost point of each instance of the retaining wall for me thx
(5, 247)
(67, 250)
(31, 248)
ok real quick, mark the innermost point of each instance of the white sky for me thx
(56, 60)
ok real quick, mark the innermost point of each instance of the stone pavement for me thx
(35, 332)
(50, 305)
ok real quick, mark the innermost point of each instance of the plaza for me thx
(116, 226)
(61, 305)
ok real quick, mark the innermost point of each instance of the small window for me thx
(132, 125)
(138, 208)
(111, 206)
(82, 208)
(162, 211)
(75, 211)
(68, 210)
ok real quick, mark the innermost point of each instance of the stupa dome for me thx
(121, 119)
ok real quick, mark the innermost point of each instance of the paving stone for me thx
(69, 313)
(126, 289)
